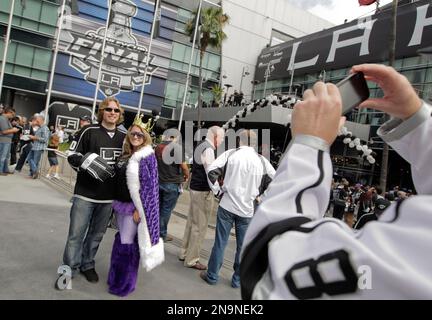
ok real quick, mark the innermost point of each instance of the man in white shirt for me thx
(291, 252)
(243, 170)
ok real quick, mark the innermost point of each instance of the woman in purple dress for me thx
(137, 197)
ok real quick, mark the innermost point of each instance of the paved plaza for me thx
(35, 220)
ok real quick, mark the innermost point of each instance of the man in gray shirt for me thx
(6, 133)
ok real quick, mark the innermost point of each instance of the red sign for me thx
(366, 2)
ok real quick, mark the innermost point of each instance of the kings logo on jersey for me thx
(110, 154)
(124, 60)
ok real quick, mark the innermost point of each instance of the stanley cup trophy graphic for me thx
(120, 23)
(124, 60)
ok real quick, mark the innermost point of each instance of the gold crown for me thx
(147, 126)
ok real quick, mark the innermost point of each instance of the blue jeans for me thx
(224, 223)
(168, 195)
(4, 156)
(88, 223)
(34, 159)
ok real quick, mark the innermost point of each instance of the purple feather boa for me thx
(124, 208)
(149, 194)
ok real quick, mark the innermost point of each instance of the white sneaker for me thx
(48, 176)
(56, 176)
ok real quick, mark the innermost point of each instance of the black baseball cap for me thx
(85, 118)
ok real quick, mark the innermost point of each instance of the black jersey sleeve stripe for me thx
(320, 160)
(254, 262)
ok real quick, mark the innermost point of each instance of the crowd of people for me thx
(285, 221)
(23, 141)
(141, 183)
(357, 204)
(235, 99)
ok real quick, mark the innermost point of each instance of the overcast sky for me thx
(336, 11)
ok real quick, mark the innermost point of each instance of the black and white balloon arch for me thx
(288, 101)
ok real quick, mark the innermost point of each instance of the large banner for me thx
(362, 40)
(124, 60)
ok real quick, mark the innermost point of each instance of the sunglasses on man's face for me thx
(137, 134)
(116, 110)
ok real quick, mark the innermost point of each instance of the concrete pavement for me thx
(33, 229)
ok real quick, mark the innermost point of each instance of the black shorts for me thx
(53, 161)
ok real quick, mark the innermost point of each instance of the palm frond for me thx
(213, 21)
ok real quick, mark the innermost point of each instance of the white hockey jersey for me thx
(291, 252)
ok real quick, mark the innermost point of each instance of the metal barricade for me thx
(67, 175)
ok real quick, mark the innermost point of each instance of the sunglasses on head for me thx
(116, 110)
(137, 134)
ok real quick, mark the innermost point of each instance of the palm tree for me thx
(212, 22)
(217, 92)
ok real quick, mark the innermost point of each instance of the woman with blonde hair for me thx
(136, 202)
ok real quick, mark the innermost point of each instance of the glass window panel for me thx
(178, 51)
(183, 15)
(196, 58)
(42, 59)
(412, 61)
(193, 97)
(180, 92)
(22, 71)
(9, 68)
(195, 70)
(414, 76)
(170, 102)
(180, 26)
(5, 5)
(398, 63)
(16, 21)
(176, 65)
(11, 52)
(24, 55)
(3, 17)
(428, 75)
(207, 96)
(205, 60)
(39, 75)
(427, 91)
(49, 14)
(171, 90)
(213, 62)
(31, 10)
(32, 25)
(47, 29)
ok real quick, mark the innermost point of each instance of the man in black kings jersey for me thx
(91, 208)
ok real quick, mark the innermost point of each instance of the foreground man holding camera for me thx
(291, 252)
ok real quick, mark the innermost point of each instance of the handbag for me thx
(265, 180)
(151, 256)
